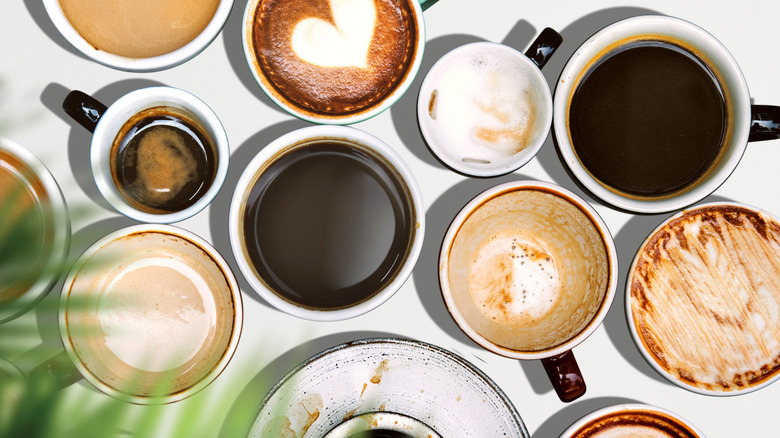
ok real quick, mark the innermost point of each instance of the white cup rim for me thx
(365, 114)
(507, 166)
(626, 407)
(621, 30)
(154, 63)
(230, 348)
(268, 153)
(463, 215)
(130, 104)
(632, 324)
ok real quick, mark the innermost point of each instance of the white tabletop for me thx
(38, 67)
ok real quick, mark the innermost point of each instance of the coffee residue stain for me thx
(379, 371)
(365, 385)
(432, 104)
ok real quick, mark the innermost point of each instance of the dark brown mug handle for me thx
(544, 46)
(84, 109)
(765, 122)
(58, 371)
(565, 375)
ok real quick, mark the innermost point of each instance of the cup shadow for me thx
(561, 420)
(219, 209)
(80, 139)
(38, 13)
(247, 405)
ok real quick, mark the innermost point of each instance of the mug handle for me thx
(764, 113)
(425, 4)
(84, 109)
(565, 375)
(544, 46)
(59, 370)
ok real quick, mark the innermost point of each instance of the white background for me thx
(38, 67)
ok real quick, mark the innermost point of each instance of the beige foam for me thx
(705, 298)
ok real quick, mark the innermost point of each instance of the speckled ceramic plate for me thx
(401, 387)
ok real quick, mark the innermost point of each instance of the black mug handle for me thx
(544, 46)
(84, 109)
(565, 376)
(765, 122)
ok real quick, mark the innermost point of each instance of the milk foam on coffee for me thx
(705, 298)
(482, 108)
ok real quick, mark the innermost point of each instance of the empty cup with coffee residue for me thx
(158, 154)
(485, 109)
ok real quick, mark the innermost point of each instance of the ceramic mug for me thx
(528, 270)
(633, 419)
(158, 154)
(645, 146)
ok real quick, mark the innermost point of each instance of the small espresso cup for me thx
(334, 61)
(149, 314)
(528, 270)
(326, 222)
(664, 141)
(632, 420)
(702, 299)
(485, 109)
(158, 154)
(142, 36)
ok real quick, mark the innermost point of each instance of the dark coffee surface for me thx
(327, 225)
(648, 119)
(378, 433)
(333, 90)
(162, 162)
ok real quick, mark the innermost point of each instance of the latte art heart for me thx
(343, 43)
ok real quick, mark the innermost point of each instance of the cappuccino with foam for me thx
(632, 421)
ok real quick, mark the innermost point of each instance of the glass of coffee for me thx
(652, 114)
(326, 222)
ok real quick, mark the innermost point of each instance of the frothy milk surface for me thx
(139, 28)
(635, 423)
(482, 105)
(705, 298)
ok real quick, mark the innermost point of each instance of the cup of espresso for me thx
(149, 314)
(147, 35)
(158, 154)
(326, 222)
(528, 270)
(702, 299)
(485, 109)
(334, 61)
(632, 420)
(652, 114)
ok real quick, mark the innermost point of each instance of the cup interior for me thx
(115, 118)
(527, 271)
(484, 109)
(150, 314)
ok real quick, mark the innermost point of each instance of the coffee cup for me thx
(632, 420)
(326, 222)
(701, 299)
(664, 141)
(34, 230)
(528, 270)
(146, 36)
(158, 154)
(149, 314)
(334, 61)
(485, 109)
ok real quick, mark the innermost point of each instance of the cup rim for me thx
(61, 229)
(568, 80)
(522, 157)
(635, 337)
(150, 64)
(117, 115)
(235, 295)
(587, 418)
(362, 115)
(499, 190)
(268, 154)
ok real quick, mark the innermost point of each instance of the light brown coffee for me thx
(635, 423)
(150, 313)
(139, 28)
(705, 296)
(333, 57)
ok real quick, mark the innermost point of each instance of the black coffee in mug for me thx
(162, 161)
(649, 118)
(328, 224)
(381, 433)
